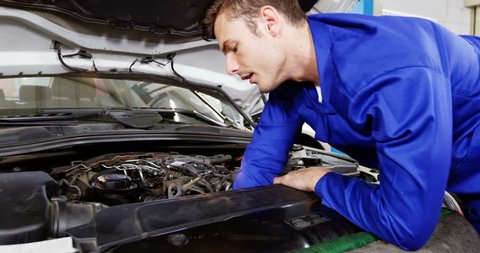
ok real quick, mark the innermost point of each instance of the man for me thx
(399, 94)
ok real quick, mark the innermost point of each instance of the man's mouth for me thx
(249, 77)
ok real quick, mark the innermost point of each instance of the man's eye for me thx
(234, 49)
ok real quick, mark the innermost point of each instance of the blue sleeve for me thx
(409, 113)
(267, 153)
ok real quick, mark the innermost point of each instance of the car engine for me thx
(126, 178)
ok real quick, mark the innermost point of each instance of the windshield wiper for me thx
(132, 117)
(46, 116)
(135, 118)
(194, 114)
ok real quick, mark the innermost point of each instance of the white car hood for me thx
(46, 42)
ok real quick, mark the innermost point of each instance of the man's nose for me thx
(231, 65)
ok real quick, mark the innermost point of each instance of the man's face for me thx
(254, 57)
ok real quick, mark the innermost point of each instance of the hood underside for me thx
(159, 17)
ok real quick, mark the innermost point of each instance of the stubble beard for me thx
(267, 86)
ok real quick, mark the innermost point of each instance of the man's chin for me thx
(262, 87)
(265, 88)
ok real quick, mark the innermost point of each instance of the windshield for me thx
(17, 94)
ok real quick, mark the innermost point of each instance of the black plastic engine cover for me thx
(24, 206)
(286, 229)
(266, 219)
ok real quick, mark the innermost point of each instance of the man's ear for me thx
(270, 20)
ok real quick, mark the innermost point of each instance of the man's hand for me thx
(303, 179)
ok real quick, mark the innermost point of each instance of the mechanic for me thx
(400, 94)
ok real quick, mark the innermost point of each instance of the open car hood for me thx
(159, 17)
(122, 36)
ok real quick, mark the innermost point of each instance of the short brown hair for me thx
(249, 10)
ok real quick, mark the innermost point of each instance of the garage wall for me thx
(450, 13)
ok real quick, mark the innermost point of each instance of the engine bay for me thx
(125, 178)
(68, 193)
(122, 178)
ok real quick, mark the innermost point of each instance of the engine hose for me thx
(187, 186)
(219, 185)
(174, 190)
(205, 184)
(197, 189)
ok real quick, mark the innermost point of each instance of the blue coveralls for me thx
(399, 94)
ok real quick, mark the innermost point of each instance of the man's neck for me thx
(303, 62)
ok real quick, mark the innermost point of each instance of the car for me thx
(118, 133)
